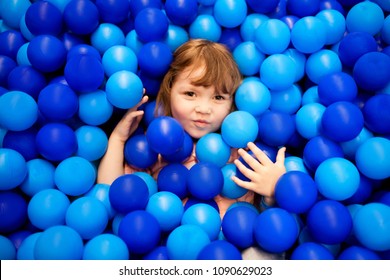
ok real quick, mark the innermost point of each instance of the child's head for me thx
(205, 66)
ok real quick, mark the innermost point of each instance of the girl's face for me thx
(200, 110)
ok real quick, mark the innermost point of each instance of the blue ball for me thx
(342, 121)
(91, 141)
(355, 252)
(205, 216)
(141, 232)
(278, 72)
(184, 151)
(376, 117)
(128, 193)
(165, 135)
(88, 216)
(75, 176)
(212, 148)
(329, 222)
(149, 180)
(14, 12)
(296, 192)
(308, 34)
(204, 180)
(106, 247)
(138, 152)
(48, 208)
(338, 86)
(40, 176)
(59, 243)
(294, 163)
(14, 211)
(173, 178)
(239, 128)
(180, 13)
(276, 128)
(11, 41)
(322, 63)
(118, 58)
(159, 253)
(83, 49)
(101, 192)
(18, 111)
(231, 38)
(151, 24)
(366, 17)
(8, 250)
(311, 251)
(94, 108)
(303, 8)
(231, 189)
(230, 14)
(334, 23)
(7, 64)
(248, 58)
(137, 5)
(13, 169)
(282, 230)
(22, 142)
(26, 248)
(250, 24)
(113, 11)
(154, 59)
(81, 17)
(167, 208)
(219, 250)
(272, 36)
(263, 7)
(238, 226)
(43, 17)
(206, 27)
(176, 36)
(107, 35)
(186, 242)
(299, 60)
(27, 79)
(286, 101)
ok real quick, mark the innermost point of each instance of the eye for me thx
(189, 93)
(220, 97)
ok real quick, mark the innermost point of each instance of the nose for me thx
(203, 109)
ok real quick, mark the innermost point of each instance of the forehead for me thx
(192, 74)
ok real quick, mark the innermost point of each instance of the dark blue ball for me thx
(173, 178)
(219, 250)
(184, 152)
(303, 8)
(311, 251)
(81, 16)
(358, 253)
(10, 43)
(13, 212)
(263, 7)
(7, 64)
(27, 79)
(180, 12)
(159, 253)
(154, 59)
(138, 152)
(43, 17)
(276, 128)
(151, 24)
(22, 142)
(377, 114)
(137, 5)
(113, 11)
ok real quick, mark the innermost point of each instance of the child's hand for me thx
(263, 173)
(129, 122)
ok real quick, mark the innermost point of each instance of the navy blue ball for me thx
(219, 250)
(138, 152)
(154, 59)
(173, 178)
(27, 79)
(10, 43)
(377, 114)
(151, 24)
(13, 212)
(22, 142)
(43, 17)
(181, 12)
(7, 64)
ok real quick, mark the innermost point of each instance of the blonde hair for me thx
(220, 68)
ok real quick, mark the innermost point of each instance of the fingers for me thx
(260, 155)
(281, 155)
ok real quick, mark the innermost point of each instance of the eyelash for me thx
(217, 97)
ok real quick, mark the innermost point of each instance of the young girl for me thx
(198, 91)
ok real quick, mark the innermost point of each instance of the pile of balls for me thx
(316, 80)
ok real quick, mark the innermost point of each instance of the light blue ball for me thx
(299, 60)
(94, 107)
(230, 13)
(278, 72)
(13, 169)
(167, 208)
(107, 35)
(118, 58)
(91, 141)
(124, 89)
(239, 128)
(176, 36)
(370, 228)
(350, 147)
(334, 24)
(230, 189)
(26, 248)
(248, 58)
(48, 208)
(308, 120)
(250, 24)
(322, 63)
(40, 176)
(212, 148)
(286, 101)
(100, 192)
(272, 36)
(150, 182)
(13, 11)
(22, 57)
(308, 34)
(133, 41)
(252, 96)
(75, 176)
(106, 247)
(18, 110)
(206, 27)
(88, 216)
(8, 250)
(59, 243)
(294, 163)
(365, 17)
(385, 32)
(311, 95)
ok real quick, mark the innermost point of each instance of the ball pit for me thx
(316, 80)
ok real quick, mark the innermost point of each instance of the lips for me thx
(201, 123)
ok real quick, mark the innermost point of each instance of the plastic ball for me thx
(204, 216)
(278, 72)
(372, 71)
(91, 141)
(22, 57)
(101, 192)
(369, 227)
(302, 8)
(180, 13)
(94, 108)
(335, 87)
(75, 176)
(358, 253)
(106, 247)
(376, 117)
(282, 230)
(7, 64)
(212, 148)
(184, 151)
(118, 58)
(48, 208)
(149, 180)
(300, 62)
(154, 59)
(272, 36)
(176, 36)
(337, 178)
(84, 73)
(206, 27)
(229, 13)
(334, 23)
(83, 49)
(165, 135)
(43, 17)
(8, 250)
(13, 169)
(151, 24)
(59, 243)
(311, 251)
(329, 222)
(167, 208)
(263, 7)
(15, 11)
(318, 149)
(88, 216)
(40, 176)
(204, 180)
(113, 11)
(81, 17)
(186, 242)
(287, 101)
(128, 193)
(11, 41)
(230, 189)
(322, 63)
(372, 158)
(355, 44)
(219, 250)
(26, 248)
(253, 97)
(141, 232)
(365, 17)
(276, 128)
(159, 253)
(138, 152)
(248, 58)
(296, 192)
(294, 163)
(13, 211)
(308, 34)
(231, 38)
(250, 24)
(172, 178)
(239, 128)
(238, 226)
(18, 111)
(342, 121)
(58, 102)
(27, 79)
(107, 35)
(22, 142)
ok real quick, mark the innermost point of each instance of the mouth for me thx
(201, 123)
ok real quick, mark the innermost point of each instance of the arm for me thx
(263, 173)
(112, 164)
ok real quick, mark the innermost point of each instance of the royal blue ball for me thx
(376, 116)
(113, 11)
(137, 5)
(184, 151)
(263, 7)
(276, 128)
(27, 79)
(81, 16)
(338, 86)
(159, 253)
(138, 152)
(302, 8)
(13, 213)
(219, 250)
(154, 59)
(151, 24)
(11, 41)
(173, 178)
(356, 252)
(180, 13)
(311, 251)
(7, 64)
(43, 17)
